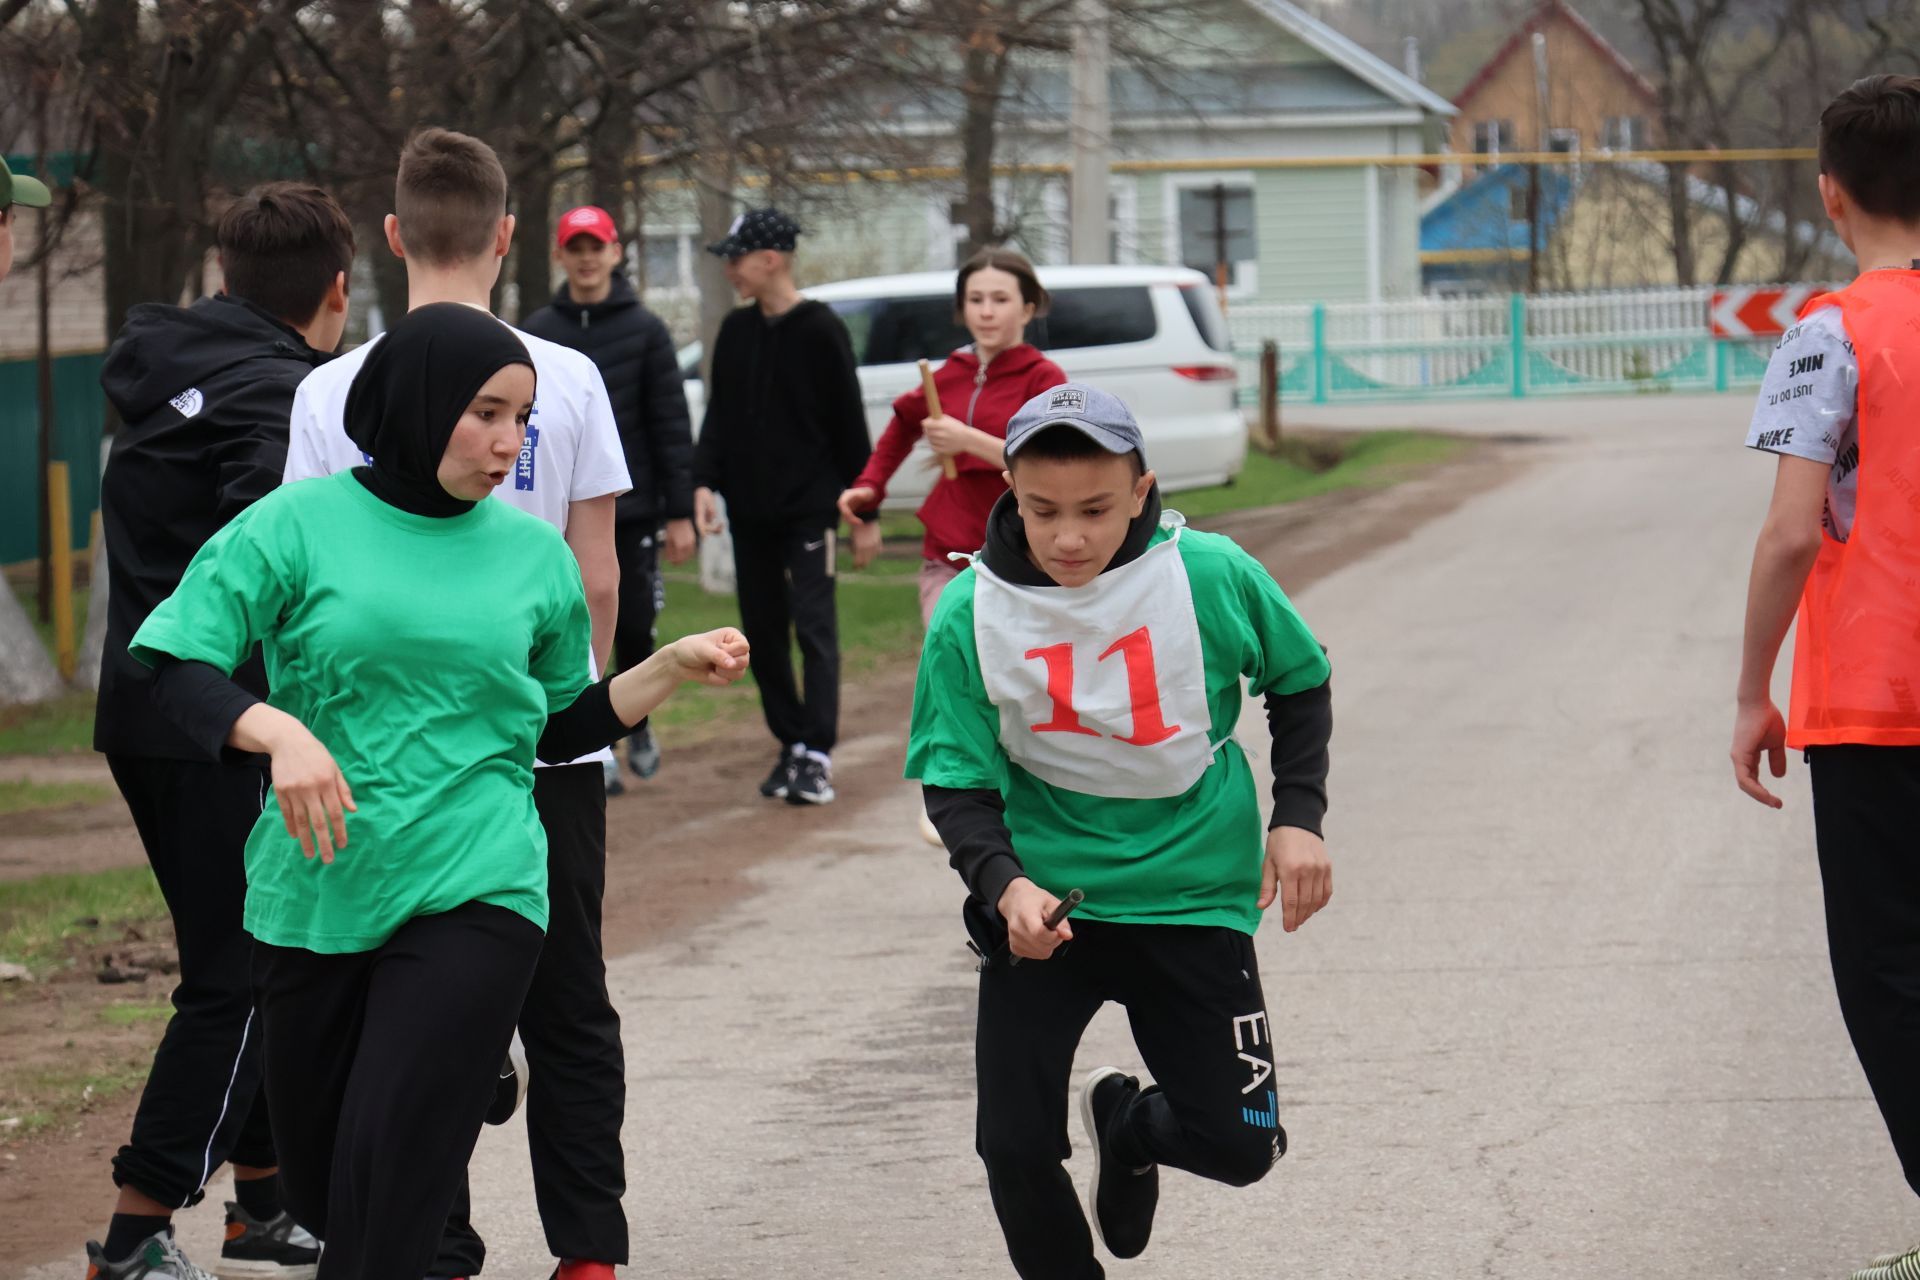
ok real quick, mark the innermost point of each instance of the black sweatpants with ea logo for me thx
(1192, 995)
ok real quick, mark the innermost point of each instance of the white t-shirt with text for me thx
(1808, 409)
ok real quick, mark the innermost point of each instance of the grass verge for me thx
(57, 726)
(20, 797)
(1308, 466)
(41, 918)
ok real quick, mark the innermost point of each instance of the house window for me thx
(1216, 227)
(1564, 141)
(1624, 133)
(1517, 202)
(1492, 137)
(667, 258)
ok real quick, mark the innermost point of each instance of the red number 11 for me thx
(1143, 686)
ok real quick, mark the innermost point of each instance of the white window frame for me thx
(1501, 131)
(1246, 272)
(686, 238)
(1633, 128)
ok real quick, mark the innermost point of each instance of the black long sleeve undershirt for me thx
(205, 702)
(972, 822)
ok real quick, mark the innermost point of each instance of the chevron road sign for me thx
(1757, 312)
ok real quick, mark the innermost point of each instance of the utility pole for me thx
(1092, 130)
(1540, 118)
(43, 354)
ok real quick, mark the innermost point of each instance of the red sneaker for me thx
(574, 1269)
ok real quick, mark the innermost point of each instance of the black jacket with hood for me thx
(635, 354)
(204, 393)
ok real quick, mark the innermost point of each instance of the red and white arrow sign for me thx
(1756, 312)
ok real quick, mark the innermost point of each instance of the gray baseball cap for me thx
(1095, 414)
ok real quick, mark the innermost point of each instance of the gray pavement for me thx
(1568, 1013)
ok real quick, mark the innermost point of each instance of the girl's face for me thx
(995, 313)
(487, 440)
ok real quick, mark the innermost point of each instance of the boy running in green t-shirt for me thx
(1073, 727)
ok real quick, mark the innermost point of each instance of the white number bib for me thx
(1102, 688)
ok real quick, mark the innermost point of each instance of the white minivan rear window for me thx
(901, 330)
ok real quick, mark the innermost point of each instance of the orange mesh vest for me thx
(1856, 656)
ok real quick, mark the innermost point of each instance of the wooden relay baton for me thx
(947, 466)
(1073, 899)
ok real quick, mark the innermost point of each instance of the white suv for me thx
(1151, 335)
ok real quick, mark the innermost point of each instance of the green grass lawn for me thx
(61, 724)
(18, 796)
(1365, 461)
(39, 916)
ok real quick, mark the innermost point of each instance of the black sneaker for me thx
(643, 753)
(511, 1090)
(1121, 1199)
(812, 780)
(781, 779)
(158, 1257)
(280, 1249)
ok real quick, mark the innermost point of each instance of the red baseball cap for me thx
(587, 220)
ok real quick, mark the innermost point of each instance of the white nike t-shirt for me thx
(572, 451)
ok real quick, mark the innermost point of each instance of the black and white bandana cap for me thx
(758, 229)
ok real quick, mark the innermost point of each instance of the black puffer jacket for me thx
(635, 354)
(204, 392)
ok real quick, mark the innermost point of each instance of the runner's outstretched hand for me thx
(1025, 907)
(712, 657)
(1297, 870)
(1758, 728)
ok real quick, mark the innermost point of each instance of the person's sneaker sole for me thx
(506, 1102)
(828, 796)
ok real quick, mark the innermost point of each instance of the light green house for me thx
(1206, 138)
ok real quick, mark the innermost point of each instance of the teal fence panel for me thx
(79, 411)
(1614, 342)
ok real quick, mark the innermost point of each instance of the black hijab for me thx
(410, 393)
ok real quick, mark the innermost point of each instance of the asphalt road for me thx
(1568, 1014)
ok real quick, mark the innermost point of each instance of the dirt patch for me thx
(679, 849)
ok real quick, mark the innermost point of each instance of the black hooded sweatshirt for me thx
(635, 355)
(204, 393)
(786, 429)
(973, 822)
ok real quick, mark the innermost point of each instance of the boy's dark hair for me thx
(1012, 262)
(281, 245)
(1062, 443)
(1870, 145)
(450, 196)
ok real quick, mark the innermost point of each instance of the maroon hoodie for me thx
(955, 512)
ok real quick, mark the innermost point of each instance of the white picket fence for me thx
(1618, 340)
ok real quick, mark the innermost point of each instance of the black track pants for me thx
(577, 1088)
(1192, 995)
(785, 577)
(380, 1066)
(1864, 802)
(202, 1105)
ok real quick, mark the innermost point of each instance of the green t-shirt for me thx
(1188, 858)
(425, 654)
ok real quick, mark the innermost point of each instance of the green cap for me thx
(18, 188)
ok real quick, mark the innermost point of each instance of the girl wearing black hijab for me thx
(434, 643)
